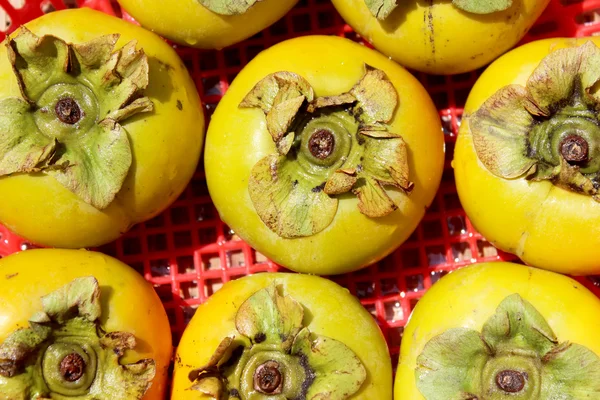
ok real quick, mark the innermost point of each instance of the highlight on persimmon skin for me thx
(56, 191)
(526, 159)
(271, 334)
(442, 38)
(85, 325)
(207, 24)
(302, 157)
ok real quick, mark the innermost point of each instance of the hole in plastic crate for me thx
(461, 252)
(210, 262)
(156, 222)
(212, 86)
(208, 60)
(393, 311)
(452, 201)
(351, 35)
(436, 255)
(235, 259)
(436, 275)
(485, 249)
(595, 280)
(365, 290)
(5, 20)
(395, 336)
(132, 246)
(410, 258)
(440, 99)
(157, 242)
(447, 125)
(185, 265)
(590, 17)
(456, 225)
(231, 77)
(568, 2)
(211, 286)
(260, 258)
(434, 206)
(460, 96)
(279, 28)
(462, 77)
(189, 290)
(301, 23)
(203, 212)
(182, 239)
(180, 215)
(138, 266)
(544, 28)
(435, 80)
(229, 234)
(164, 292)
(199, 188)
(448, 176)
(232, 57)
(432, 229)
(207, 235)
(326, 19)
(389, 287)
(188, 313)
(160, 267)
(252, 51)
(47, 7)
(414, 283)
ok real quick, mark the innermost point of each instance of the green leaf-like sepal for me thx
(381, 9)
(464, 364)
(482, 6)
(228, 7)
(68, 324)
(311, 366)
(288, 205)
(90, 155)
(267, 317)
(326, 146)
(520, 131)
(336, 370)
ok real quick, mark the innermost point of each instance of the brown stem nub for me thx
(574, 149)
(268, 379)
(68, 111)
(72, 367)
(321, 144)
(510, 381)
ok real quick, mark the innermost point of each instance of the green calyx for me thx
(549, 129)
(228, 7)
(381, 9)
(65, 352)
(67, 123)
(516, 356)
(326, 147)
(277, 357)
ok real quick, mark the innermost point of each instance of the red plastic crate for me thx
(187, 252)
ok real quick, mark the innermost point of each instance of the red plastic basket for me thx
(187, 252)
